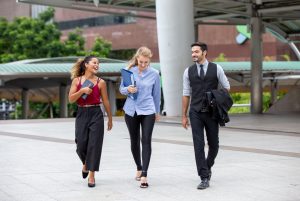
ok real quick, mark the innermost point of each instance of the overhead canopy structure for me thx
(47, 80)
(43, 76)
(279, 17)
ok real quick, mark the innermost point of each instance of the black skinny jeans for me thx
(133, 125)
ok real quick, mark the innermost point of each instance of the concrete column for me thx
(256, 65)
(273, 91)
(112, 96)
(37, 9)
(51, 110)
(63, 101)
(175, 28)
(25, 103)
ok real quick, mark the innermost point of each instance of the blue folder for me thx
(128, 79)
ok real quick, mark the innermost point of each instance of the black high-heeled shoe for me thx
(91, 185)
(85, 174)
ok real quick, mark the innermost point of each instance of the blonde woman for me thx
(89, 125)
(142, 111)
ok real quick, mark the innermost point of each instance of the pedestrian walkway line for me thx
(253, 130)
(261, 151)
(177, 142)
(263, 131)
(266, 131)
(37, 137)
(233, 148)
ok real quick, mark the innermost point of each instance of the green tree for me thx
(75, 44)
(101, 47)
(48, 15)
(27, 38)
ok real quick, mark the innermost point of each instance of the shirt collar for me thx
(136, 68)
(204, 64)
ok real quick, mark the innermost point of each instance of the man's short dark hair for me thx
(203, 46)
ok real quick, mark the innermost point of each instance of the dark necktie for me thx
(201, 72)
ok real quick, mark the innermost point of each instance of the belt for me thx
(204, 110)
(94, 105)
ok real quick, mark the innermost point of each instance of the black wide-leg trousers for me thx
(133, 125)
(89, 133)
(199, 122)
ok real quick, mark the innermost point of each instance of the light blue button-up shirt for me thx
(148, 89)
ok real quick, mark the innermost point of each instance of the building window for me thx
(95, 22)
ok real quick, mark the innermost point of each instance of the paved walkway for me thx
(259, 159)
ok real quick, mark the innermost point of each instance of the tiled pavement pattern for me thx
(259, 160)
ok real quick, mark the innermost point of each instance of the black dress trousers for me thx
(89, 133)
(199, 122)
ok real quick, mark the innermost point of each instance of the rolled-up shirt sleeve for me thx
(123, 90)
(186, 84)
(223, 80)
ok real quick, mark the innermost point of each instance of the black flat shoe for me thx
(144, 185)
(85, 174)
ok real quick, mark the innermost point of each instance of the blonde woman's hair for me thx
(78, 68)
(142, 51)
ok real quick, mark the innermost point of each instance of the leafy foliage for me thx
(27, 38)
(240, 98)
(245, 98)
(220, 58)
(286, 57)
(101, 47)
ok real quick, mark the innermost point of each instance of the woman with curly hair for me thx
(89, 91)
